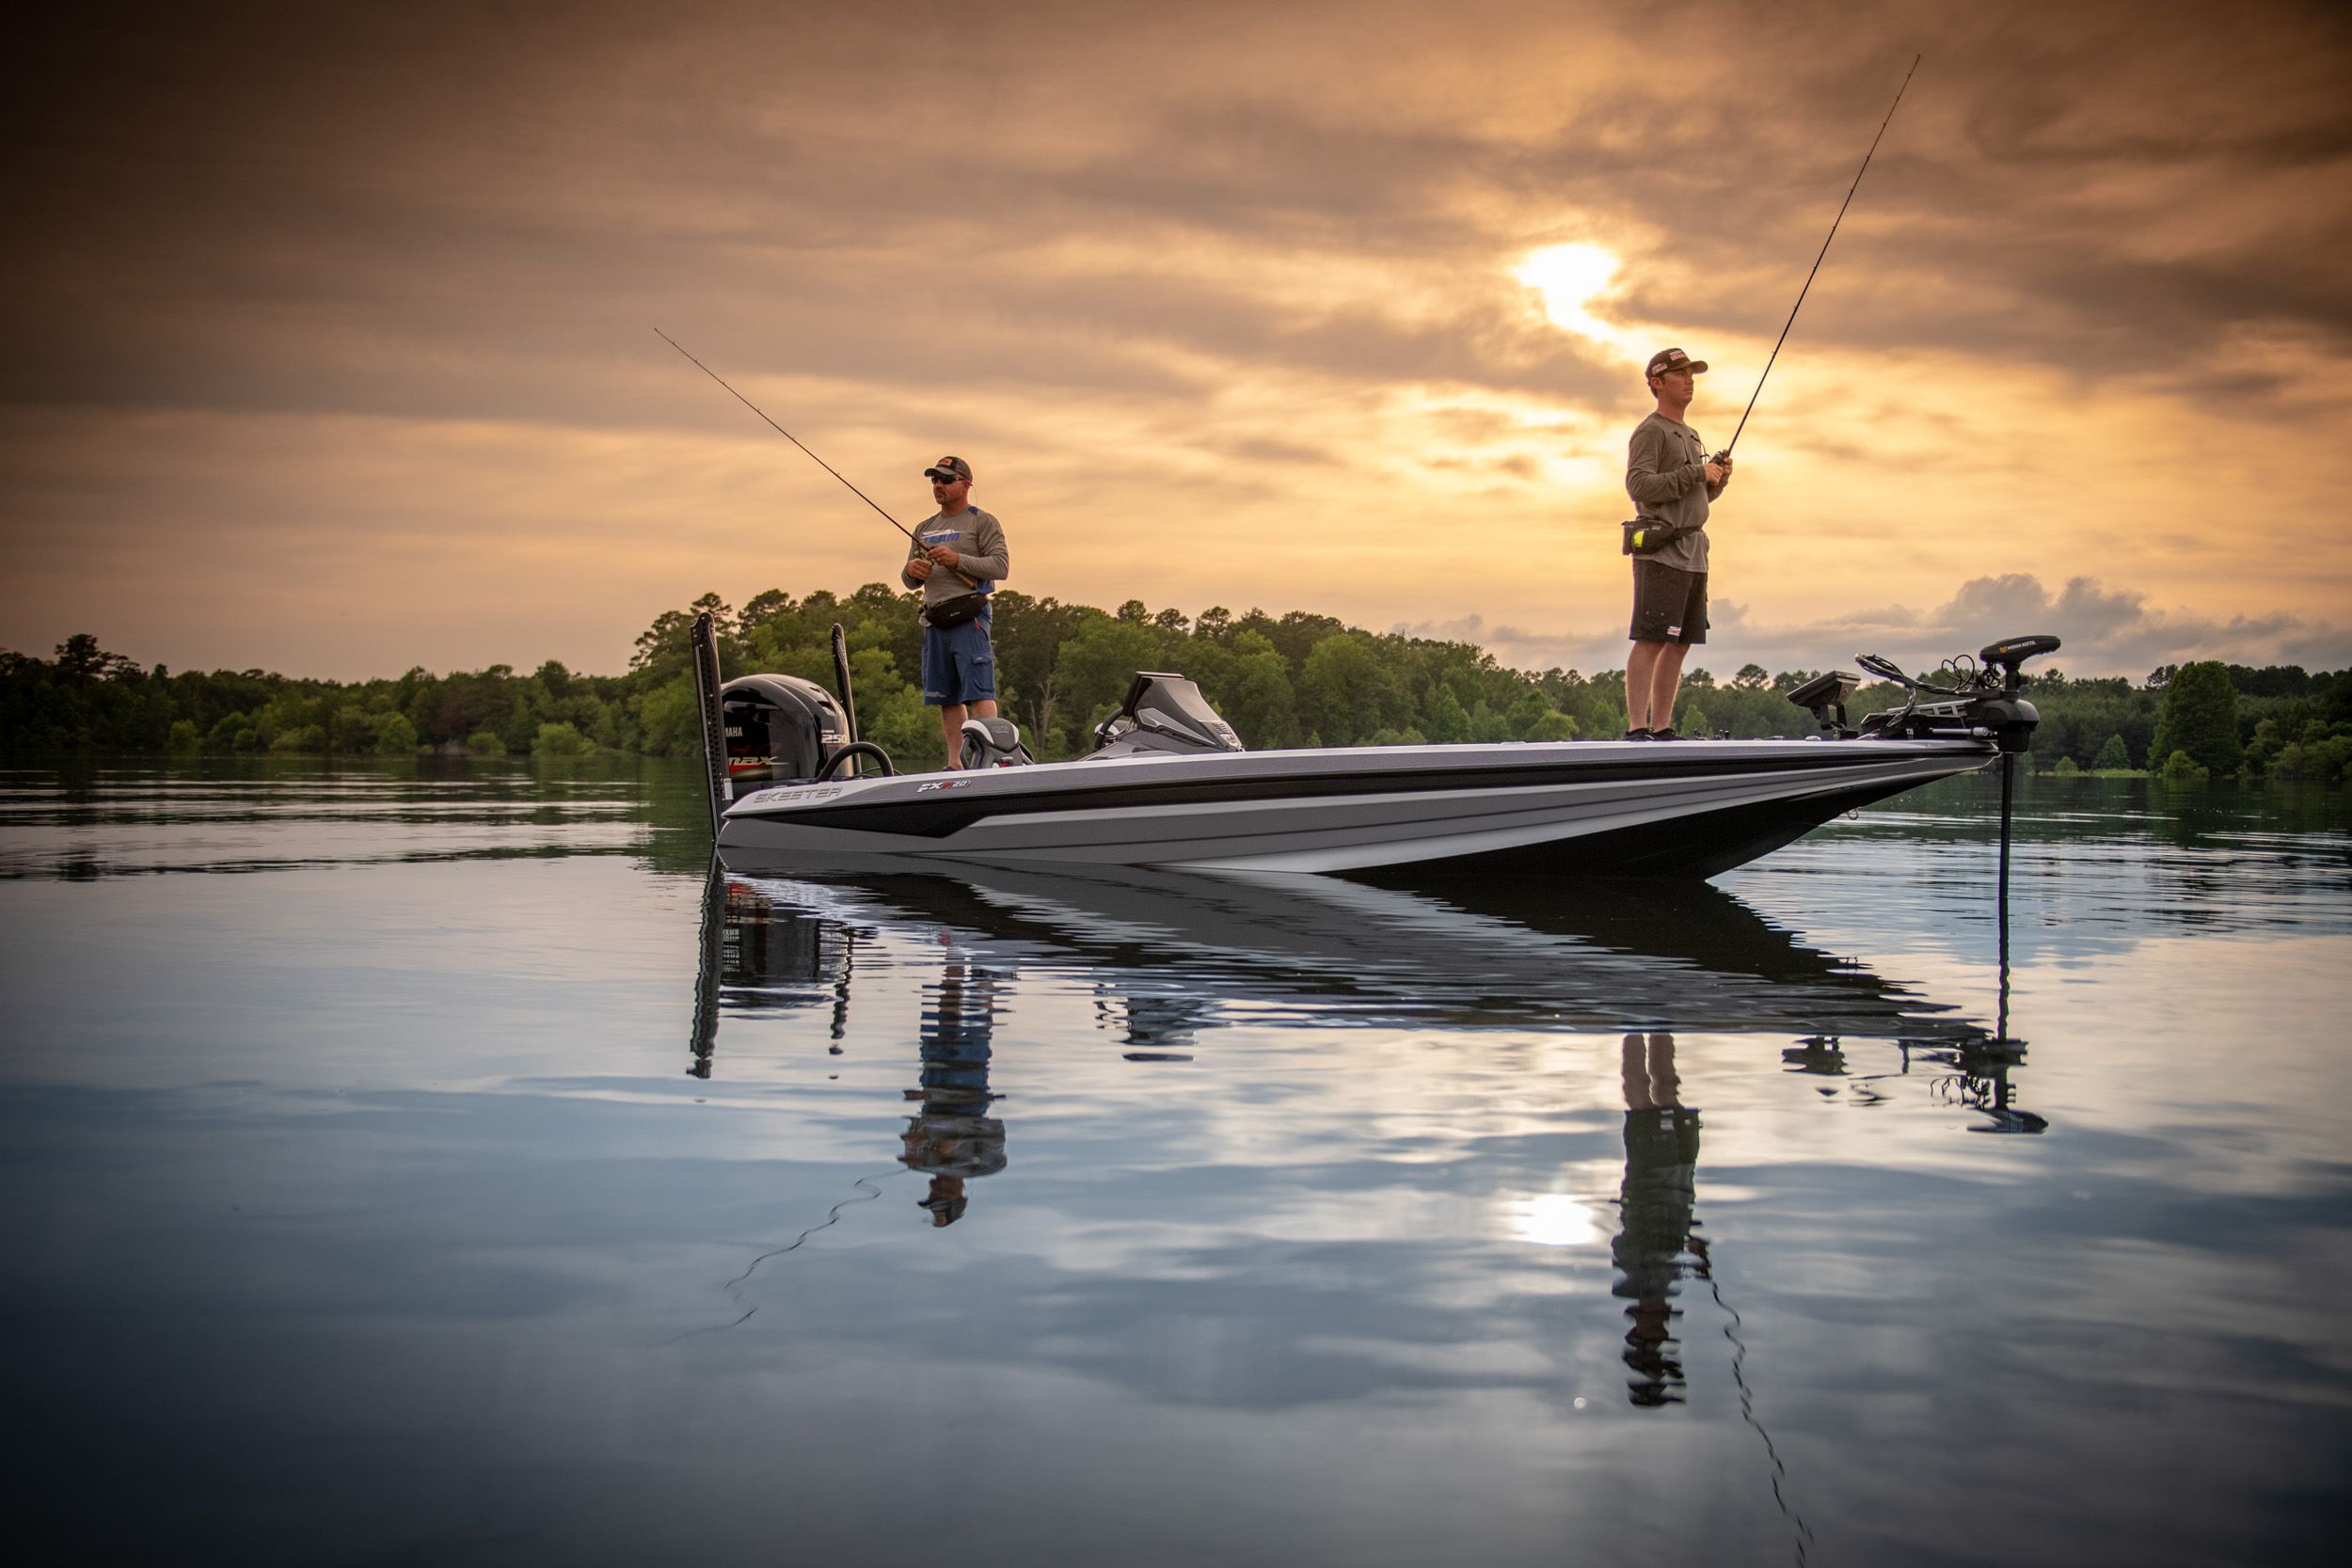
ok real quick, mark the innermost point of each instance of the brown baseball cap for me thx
(1673, 359)
(948, 468)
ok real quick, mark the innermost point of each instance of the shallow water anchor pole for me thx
(2009, 789)
(705, 642)
(841, 679)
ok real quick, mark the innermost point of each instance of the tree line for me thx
(1300, 679)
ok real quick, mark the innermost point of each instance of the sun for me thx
(1569, 276)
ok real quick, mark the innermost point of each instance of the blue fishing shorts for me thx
(959, 665)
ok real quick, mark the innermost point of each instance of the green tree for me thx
(396, 736)
(1348, 692)
(1256, 696)
(2112, 756)
(1094, 671)
(2199, 719)
(668, 724)
(1443, 719)
(80, 659)
(560, 741)
(2180, 767)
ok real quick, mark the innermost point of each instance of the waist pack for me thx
(1648, 535)
(954, 612)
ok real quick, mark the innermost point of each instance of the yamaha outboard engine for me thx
(1163, 713)
(769, 729)
(779, 728)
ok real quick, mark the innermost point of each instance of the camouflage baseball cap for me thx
(1673, 359)
(948, 468)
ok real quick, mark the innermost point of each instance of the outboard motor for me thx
(1164, 714)
(781, 728)
(769, 729)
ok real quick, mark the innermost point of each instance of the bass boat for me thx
(1170, 784)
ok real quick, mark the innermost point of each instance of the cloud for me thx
(2106, 632)
(1270, 248)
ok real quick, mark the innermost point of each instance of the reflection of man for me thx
(1661, 1155)
(958, 551)
(1668, 474)
(951, 1138)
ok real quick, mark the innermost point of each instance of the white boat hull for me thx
(1681, 808)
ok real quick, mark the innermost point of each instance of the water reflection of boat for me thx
(1176, 956)
(1172, 954)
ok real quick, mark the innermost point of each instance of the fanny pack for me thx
(954, 612)
(1648, 535)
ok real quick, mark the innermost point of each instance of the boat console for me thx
(1163, 713)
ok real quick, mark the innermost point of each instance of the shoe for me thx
(1639, 735)
(1666, 734)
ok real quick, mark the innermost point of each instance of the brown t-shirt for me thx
(1665, 473)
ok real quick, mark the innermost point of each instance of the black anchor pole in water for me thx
(2009, 794)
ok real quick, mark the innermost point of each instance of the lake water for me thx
(440, 1167)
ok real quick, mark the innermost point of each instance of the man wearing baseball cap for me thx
(1671, 479)
(957, 557)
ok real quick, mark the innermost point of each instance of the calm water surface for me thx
(443, 1168)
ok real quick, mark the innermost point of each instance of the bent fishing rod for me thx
(795, 441)
(1724, 455)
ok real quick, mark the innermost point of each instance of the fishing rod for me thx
(781, 431)
(795, 441)
(1724, 455)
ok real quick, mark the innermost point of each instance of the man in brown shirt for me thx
(1671, 479)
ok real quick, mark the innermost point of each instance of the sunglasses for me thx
(938, 477)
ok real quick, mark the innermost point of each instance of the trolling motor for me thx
(1981, 702)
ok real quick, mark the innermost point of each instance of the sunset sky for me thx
(332, 329)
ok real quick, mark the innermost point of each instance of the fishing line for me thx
(866, 1184)
(1816, 261)
(1747, 1409)
(781, 431)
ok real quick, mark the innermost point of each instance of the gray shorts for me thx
(1669, 603)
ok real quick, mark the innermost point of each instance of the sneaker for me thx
(1639, 735)
(1666, 734)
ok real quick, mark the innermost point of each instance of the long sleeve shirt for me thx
(979, 541)
(1665, 473)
